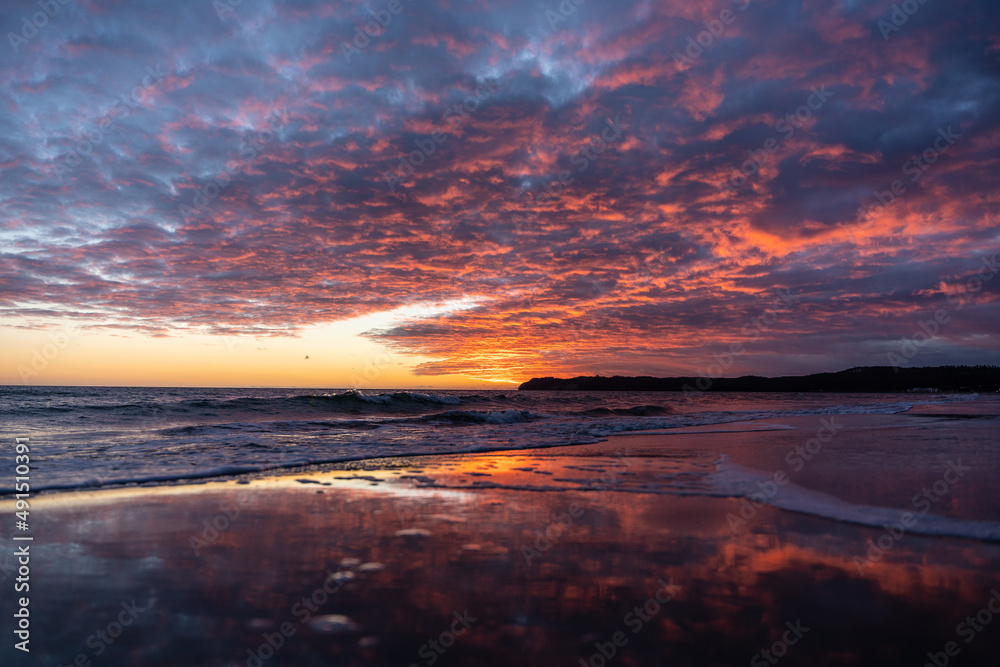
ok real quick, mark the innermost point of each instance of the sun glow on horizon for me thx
(336, 355)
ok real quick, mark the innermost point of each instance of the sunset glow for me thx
(476, 195)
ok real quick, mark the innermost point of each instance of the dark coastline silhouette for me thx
(880, 379)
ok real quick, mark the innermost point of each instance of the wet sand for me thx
(596, 554)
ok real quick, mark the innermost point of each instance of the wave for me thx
(491, 417)
(349, 402)
(637, 411)
(135, 434)
(695, 476)
(734, 480)
(478, 408)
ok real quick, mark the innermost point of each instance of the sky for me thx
(434, 193)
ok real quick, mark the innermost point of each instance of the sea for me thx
(86, 437)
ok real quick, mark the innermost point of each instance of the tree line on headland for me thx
(880, 379)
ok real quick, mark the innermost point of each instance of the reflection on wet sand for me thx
(554, 557)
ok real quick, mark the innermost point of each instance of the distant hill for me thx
(862, 379)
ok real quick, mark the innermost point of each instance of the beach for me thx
(542, 333)
(717, 544)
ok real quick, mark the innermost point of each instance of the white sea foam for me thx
(734, 480)
(92, 436)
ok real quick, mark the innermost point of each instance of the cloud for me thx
(640, 260)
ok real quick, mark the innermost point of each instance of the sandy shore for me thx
(615, 553)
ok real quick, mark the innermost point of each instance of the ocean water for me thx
(409, 546)
(85, 437)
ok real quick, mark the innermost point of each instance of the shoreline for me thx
(549, 550)
(961, 409)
